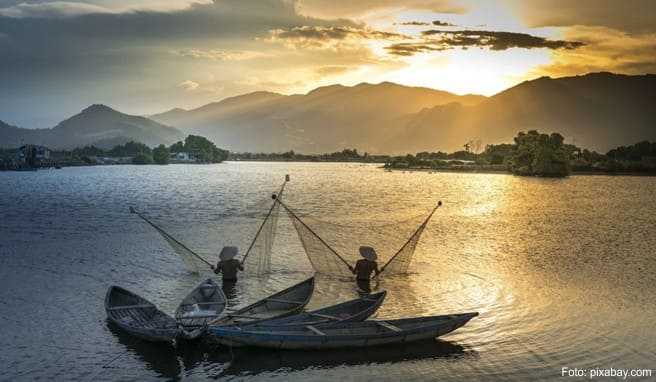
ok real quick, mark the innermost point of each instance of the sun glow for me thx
(476, 71)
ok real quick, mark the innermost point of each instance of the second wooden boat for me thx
(289, 301)
(355, 310)
(204, 304)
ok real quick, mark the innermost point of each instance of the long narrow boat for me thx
(347, 335)
(138, 316)
(355, 310)
(287, 302)
(204, 304)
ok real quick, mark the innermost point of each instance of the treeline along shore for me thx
(531, 154)
(536, 154)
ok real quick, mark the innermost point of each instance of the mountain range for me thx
(597, 111)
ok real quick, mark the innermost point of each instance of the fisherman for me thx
(228, 265)
(365, 267)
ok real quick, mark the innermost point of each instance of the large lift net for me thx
(257, 257)
(333, 247)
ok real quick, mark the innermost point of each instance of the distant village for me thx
(33, 157)
(29, 157)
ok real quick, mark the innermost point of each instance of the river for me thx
(562, 271)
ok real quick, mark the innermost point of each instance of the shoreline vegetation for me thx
(535, 154)
(531, 154)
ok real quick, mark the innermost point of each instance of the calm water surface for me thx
(563, 272)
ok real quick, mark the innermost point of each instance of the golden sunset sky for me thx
(59, 56)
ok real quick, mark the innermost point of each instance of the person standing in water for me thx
(365, 267)
(228, 266)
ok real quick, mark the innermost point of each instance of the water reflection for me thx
(229, 290)
(257, 361)
(159, 357)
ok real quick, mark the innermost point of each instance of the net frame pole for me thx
(421, 227)
(250, 247)
(311, 231)
(132, 210)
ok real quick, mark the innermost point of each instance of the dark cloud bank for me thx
(438, 40)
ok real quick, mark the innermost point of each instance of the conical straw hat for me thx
(368, 253)
(228, 253)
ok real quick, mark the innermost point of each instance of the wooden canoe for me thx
(138, 316)
(355, 310)
(287, 302)
(346, 335)
(204, 304)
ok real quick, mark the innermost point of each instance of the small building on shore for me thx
(32, 155)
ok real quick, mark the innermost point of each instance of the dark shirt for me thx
(229, 268)
(364, 268)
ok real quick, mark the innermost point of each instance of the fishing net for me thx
(192, 261)
(253, 231)
(332, 247)
(257, 258)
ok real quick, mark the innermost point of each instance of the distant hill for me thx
(598, 111)
(99, 125)
(12, 136)
(326, 119)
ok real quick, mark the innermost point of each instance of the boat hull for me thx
(232, 336)
(138, 317)
(147, 335)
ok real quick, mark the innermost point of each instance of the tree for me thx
(498, 154)
(634, 152)
(130, 149)
(161, 154)
(142, 158)
(540, 154)
(204, 150)
(177, 147)
(88, 151)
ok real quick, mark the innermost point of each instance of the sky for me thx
(145, 57)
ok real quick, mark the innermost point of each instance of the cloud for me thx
(328, 71)
(51, 10)
(437, 40)
(414, 23)
(189, 85)
(635, 16)
(359, 8)
(439, 23)
(219, 54)
(325, 37)
(408, 49)
(605, 49)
